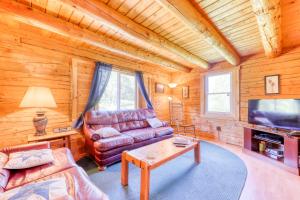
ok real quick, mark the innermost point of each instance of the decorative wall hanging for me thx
(185, 92)
(159, 88)
(272, 84)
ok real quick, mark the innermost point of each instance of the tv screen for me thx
(275, 113)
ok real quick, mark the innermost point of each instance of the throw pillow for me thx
(105, 132)
(44, 190)
(154, 122)
(27, 159)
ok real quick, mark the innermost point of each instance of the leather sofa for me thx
(132, 124)
(78, 184)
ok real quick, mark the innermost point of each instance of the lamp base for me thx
(40, 122)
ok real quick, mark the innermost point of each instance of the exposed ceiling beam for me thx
(185, 11)
(147, 38)
(27, 15)
(268, 16)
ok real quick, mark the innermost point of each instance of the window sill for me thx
(220, 116)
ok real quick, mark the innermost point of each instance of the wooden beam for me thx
(186, 12)
(150, 40)
(25, 14)
(268, 16)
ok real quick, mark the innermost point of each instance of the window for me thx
(220, 94)
(120, 93)
(127, 91)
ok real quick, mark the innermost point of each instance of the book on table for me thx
(180, 141)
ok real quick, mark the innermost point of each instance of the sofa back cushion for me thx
(120, 120)
(4, 173)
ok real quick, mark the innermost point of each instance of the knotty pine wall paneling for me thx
(32, 57)
(253, 69)
(160, 101)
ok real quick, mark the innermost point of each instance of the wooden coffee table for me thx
(152, 156)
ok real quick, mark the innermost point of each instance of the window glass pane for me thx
(127, 92)
(109, 98)
(218, 103)
(219, 83)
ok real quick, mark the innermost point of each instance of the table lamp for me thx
(39, 97)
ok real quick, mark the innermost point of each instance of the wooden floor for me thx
(264, 181)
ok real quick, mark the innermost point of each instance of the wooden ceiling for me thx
(166, 32)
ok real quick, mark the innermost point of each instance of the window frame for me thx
(234, 94)
(119, 72)
(207, 92)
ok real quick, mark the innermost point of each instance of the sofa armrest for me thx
(26, 147)
(89, 143)
(89, 133)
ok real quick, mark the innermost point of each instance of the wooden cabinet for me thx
(291, 151)
(290, 146)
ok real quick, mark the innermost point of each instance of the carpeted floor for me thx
(220, 176)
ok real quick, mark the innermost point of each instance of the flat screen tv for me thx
(275, 113)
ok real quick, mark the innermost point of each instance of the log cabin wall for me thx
(159, 100)
(253, 69)
(31, 57)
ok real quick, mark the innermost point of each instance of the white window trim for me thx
(235, 94)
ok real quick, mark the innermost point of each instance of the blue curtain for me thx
(101, 77)
(141, 85)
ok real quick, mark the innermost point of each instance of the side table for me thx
(65, 138)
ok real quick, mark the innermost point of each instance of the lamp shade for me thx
(38, 97)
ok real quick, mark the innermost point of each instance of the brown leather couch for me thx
(136, 132)
(78, 184)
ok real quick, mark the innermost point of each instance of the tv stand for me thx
(281, 149)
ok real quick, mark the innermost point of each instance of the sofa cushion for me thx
(28, 159)
(96, 127)
(113, 142)
(4, 173)
(163, 131)
(124, 120)
(133, 119)
(97, 117)
(141, 134)
(63, 159)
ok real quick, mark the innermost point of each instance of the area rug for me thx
(220, 176)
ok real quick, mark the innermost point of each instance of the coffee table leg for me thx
(145, 181)
(197, 153)
(124, 171)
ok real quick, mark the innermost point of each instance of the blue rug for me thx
(220, 176)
